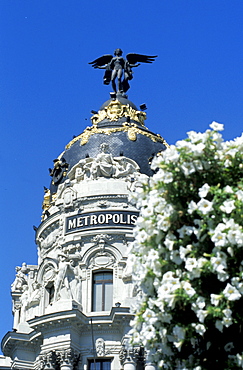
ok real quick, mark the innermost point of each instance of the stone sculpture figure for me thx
(24, 299)
(61, 278)
(67, 278)
(20, 279)
(117, 66)
(103, 165)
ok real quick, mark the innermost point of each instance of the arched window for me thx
(102, 291)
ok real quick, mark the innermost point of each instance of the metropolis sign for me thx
(100, 220)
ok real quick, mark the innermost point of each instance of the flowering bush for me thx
(187, 256)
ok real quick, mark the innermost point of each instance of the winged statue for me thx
(116, 67)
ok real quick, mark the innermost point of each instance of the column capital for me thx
(68, 358)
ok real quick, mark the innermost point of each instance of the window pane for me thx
(97, 297)
(108, 296)
(100, 365)
(102, 291)
(106, 365)
(103, 276)
(95, 366)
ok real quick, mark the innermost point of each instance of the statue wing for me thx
(133, 58)
(101, 61)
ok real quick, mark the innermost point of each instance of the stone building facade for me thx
(72, 310)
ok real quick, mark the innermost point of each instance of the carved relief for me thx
(104, 165)
(101, 240)
(48, 242)
(49, 273)
(56, 359)
(66, 192)
(132, 354)
(102, 259)
(35, 295)
(100, 347)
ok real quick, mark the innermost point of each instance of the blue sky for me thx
(47, 89)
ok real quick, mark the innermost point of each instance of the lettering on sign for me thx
(100, 220)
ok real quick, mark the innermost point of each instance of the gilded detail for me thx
(131, 128)
(116, 110)
(132, 134)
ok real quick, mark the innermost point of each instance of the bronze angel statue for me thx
(119, 68)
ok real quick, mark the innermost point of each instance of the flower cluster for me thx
(187, 256)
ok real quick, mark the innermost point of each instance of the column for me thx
(150, 367)
(129, 365)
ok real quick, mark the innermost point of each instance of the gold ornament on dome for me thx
(131, 128)
(115, 110)
(131, 133)
(47, 200)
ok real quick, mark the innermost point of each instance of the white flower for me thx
(200, 302)
(238, 284)
(191, 263)
(196, 137)
(198, 165)
(147, 333)
(219, 262)
(231, 293)
(239, 194)
(219, 236)
(200, 328)
(215, 298)
(203, 191)
(201, 314)
(168, 177)
(205, 206)
(188, 288)
(142, 236)
(227, 320)
(170, 155)
(185, 251)
(198, 149)
(228, 189)
(150, 317)
(169, 241)
(216, 126)
(192, 206)
(185, 230)
(227, 206)
(187, 168)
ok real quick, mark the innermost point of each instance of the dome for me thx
(120, 125)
